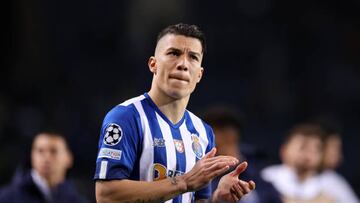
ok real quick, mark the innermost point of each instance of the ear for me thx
(152, 64)
(201, 72)
(282, 153)
(70, 159)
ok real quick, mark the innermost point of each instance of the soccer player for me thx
(152, 149)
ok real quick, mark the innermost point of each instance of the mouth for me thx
(179, 77)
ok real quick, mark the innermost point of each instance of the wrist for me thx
(216, 197)
(180, 183)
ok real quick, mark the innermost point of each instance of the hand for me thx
(206, 169)
(231, 188)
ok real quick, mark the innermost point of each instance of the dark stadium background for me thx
(278, 62)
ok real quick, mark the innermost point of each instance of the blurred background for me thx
(278, 62)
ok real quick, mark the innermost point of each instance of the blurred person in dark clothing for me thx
(227, 126)
(297, 178)
(46, 181)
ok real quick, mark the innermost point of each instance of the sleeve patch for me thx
(110, 153)
(113, 134)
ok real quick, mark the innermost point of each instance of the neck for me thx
(303, 175)
(53, 180)
(172, 108)
(49, 181)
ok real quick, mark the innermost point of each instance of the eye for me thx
(194, 57)
(173, 53)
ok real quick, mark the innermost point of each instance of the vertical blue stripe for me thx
(159, 151)
(136, 169)
(204, 192)
(210, 137)
(190, 125)
(180, 157)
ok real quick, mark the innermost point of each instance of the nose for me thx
(183, 64)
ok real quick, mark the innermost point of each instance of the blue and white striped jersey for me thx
(138, 142)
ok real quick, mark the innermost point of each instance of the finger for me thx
(210, 154)
(244, 186)
(215, 166)
(239, 191)
(217, 172)
(230, 160)
(252, 185)
(233, 195)
(239, 169)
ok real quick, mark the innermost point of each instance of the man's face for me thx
(304, 153)
(177, 65)
(332, 152)
(49, 156)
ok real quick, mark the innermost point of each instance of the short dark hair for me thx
(53, 134)
(185, 30)
(307, 130)
(329, 124)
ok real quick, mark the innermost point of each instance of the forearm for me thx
(139, 191)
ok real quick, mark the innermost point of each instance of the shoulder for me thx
(274, 172)
(198, 121)
(336, 185)
(6, 192)
(16, 192)
(69, 193)
(332, 178)
(124, 111)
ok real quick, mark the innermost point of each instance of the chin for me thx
(177, 93)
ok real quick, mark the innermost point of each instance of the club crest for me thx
(196, 146)
(179, 145)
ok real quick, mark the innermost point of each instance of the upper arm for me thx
(119, 145)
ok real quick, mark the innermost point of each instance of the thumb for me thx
(239, 169)
(210, 154)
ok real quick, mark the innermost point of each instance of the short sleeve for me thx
(205, 193)
(119, 144)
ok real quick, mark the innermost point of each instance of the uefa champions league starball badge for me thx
(196, 146)
(113, 134)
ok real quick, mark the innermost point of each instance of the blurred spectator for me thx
(227, 127)
(332, 181)
(46, 180)
(297, 178)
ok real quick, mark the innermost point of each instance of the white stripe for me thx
(189, 154)
(147, 156)
(170, 146)
(169, 143)
(132, 100)
(199, 126)
(103, 169)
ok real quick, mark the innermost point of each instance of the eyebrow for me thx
(179, 50)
